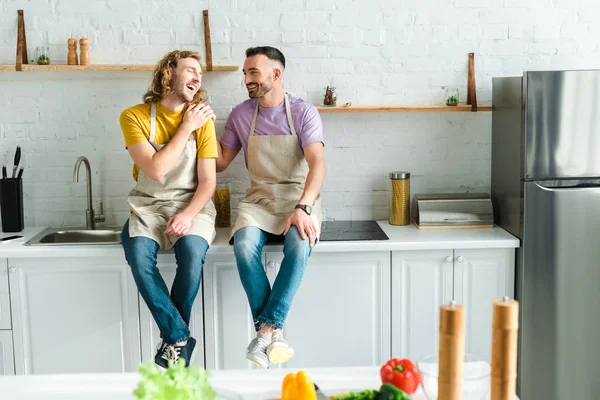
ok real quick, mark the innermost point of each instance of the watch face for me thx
(308, 209)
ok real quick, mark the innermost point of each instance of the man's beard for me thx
(261, 90)
(181, 91)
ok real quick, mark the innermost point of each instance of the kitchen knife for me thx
(4, 172)
(320, 395)
(20, 173)
(17, 161)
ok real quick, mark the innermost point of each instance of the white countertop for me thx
(400, 238)
(251, 385)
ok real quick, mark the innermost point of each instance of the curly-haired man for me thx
(171, 140)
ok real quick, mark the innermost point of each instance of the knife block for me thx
(11, 205)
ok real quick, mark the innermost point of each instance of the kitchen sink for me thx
(66, 236)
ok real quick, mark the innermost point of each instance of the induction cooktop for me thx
(351, 230)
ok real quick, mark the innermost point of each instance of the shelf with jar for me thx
(82, 63)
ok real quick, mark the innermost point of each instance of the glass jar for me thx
(399, 198)
(330, 97)
(42, 55)
(222, 200)
(451, 98)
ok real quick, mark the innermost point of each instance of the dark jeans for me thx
(170, 311)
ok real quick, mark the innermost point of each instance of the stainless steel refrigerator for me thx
(546, 191)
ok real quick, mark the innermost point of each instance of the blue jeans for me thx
(270, 306)
(171, 312)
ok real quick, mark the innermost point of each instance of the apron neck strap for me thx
(288, 112)
(152, 121)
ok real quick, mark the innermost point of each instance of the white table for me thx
(251, 385)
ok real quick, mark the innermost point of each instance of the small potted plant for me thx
(451, 97)
(42, 55)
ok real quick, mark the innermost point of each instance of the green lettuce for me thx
(177, 382)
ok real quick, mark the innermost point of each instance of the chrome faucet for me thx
(90, 217)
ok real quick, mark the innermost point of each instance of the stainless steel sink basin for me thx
(65, 236)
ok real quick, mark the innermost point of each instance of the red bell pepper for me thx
(403, 374)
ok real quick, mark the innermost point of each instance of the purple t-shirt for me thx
(272, 121)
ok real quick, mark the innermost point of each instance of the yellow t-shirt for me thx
(135, 124)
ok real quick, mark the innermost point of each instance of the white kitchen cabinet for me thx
(5, 322)
(421, 281)
(340, 315)
(228, 320)
(149, 330)
(7, 360)
(74, 315)
(480, 277)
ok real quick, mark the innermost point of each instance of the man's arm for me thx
(225, 158)
(315, 156)
(156, 164)
(181, 223)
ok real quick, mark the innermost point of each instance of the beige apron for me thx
(153, 203)
(277, 170)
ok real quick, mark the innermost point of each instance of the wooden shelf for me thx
(105, 67)
(435, 108)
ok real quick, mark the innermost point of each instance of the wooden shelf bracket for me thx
(21, 42)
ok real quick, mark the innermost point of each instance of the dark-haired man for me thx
(282, 139)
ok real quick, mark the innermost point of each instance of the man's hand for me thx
(197, 115)
(179, 224)
(305, 225)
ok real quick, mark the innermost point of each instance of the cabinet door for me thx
(149, 330)
(421, 282)
(340, 315)
(74, 315)
(5, 322)
(480, 277)
(229, 326)
(7, 361)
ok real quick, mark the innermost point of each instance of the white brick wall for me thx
(373, 51)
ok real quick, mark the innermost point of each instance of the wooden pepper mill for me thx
(505, 330)
(451, 351)
(72, 55)
(84, 52)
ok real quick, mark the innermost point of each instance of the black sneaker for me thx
(169, 352)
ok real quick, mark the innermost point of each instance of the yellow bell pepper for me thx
(298, 386)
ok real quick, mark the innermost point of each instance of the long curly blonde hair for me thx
(162, 77)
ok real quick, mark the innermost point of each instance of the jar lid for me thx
(399, 175)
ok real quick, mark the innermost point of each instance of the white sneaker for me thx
(279, 351)
(256, 351)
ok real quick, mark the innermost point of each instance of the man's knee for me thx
(246, 243)
(294, 245)
(140, 253)
(192, 247)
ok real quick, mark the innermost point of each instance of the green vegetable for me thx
(363, 395)
(386, 392)
(391, 392)
(177, 382)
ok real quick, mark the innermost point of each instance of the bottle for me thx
(84, 52)
(72, 55)
(222, 200)
(399, 198)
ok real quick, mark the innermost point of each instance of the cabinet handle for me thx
(449, 259)
(459, 259)
(271, 264)
(12, 269)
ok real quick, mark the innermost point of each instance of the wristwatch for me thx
(304, 207)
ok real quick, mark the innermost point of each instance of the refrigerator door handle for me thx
(564, 187)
